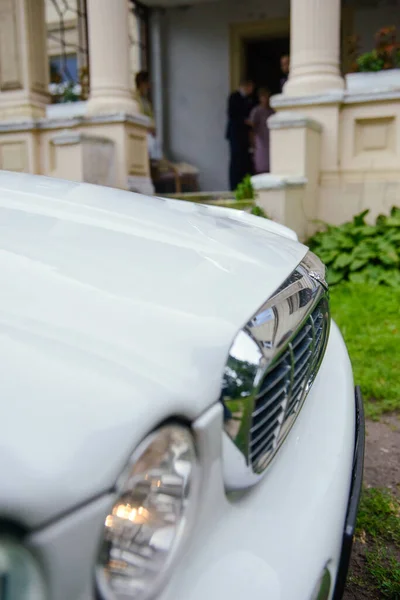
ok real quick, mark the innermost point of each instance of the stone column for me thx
(82, 35)
(23, 60)
(157, 83)
(110, 77)
(315, 47)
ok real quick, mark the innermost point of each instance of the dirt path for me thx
(382, 454)
(381, 469)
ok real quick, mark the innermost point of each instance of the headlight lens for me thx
(20, 575)
(145, 526)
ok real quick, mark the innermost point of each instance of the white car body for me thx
(117, 312)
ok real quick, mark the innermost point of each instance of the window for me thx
(67, 50)
(64, 69)
(141, 13)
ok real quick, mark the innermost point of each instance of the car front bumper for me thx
(354, 498)
(275, 540)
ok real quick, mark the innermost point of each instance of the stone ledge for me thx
(140, 184)
(66, 110)
(280, 101)
(267, 181)
(77, 110)
(137, 119)
(16, 126)
(372, 95)
(289, 120)
(283, 101)
(67, 123)
(70, 138)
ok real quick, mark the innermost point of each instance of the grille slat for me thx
(265, 445)
(263, 432)
(301, 335)
(262, 406)
(297, 388)
(284, 386)
(299, 365)
(274, 380)
(277, 372)
(300, 373)
(294, 400)
(271, 417)
(301, 349)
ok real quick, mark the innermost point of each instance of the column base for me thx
(85, 157)
(141, 185)
(282, 197)
(313, 83)
(19, 151)
(106, 105)
(105, 150)
(17, 106)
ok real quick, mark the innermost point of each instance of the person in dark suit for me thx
(285, 66)
(240, 104)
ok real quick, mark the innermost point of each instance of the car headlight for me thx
(20, 574)
(145, 526)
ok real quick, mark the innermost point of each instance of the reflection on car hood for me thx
(116, 312)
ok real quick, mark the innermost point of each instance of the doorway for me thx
(262, 61)
(256, 44)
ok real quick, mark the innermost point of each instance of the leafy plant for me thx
(69, 94)
(245, 190)
(359, 252)
(370, 62)
(385, 55)
(258, 212)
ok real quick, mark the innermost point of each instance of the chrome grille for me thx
(271, 366)
(283, 387)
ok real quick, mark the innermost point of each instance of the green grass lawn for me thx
(369, 318)
(378, 546)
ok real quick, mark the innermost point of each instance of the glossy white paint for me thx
(269, 543)
(117, 311)
(274, 541)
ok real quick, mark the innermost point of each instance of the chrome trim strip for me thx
(281, 335)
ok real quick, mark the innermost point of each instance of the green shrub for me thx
(385, 55)
(370, 61)
(258, 212)
(359, 252)
(69, 94)
(245, 190)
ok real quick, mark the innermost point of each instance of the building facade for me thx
(335, 141)
(72, 50)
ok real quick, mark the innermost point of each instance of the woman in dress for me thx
(258, 122)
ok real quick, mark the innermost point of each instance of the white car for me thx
(178, 415)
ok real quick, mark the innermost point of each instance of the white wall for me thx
(367, 21)
(196, 60)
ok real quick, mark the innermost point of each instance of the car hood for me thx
(117, 312)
